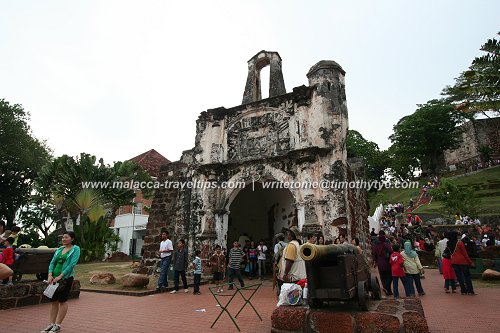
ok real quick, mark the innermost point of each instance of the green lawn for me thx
(486, 185)
(83, 272)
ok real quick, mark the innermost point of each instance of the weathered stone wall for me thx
(476, 133)
(29, 293)
(296, 137)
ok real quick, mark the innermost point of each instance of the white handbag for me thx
(51, 289)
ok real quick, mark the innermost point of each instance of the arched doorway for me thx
(259, 213)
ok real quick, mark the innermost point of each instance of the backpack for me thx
(279, 253)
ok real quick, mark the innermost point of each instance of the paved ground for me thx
(177, 313)
(164, 312)
(456, 313)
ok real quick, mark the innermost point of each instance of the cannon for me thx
(32, 261)
(338, 273)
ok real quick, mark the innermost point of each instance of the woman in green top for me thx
(61, 270)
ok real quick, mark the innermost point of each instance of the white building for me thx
(131, 228)
(130, 224)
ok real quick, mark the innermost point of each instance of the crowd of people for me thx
(398, 243)
(477, 165)
(396, 250)
(252, 260)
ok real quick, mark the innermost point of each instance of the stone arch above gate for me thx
(252, 175)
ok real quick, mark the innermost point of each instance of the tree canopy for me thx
(21, 157)
(477, 90)
(456, 199)
(421, 138)
(61, 183)
(375, 160)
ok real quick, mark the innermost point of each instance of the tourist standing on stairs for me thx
(180, 266)
(381, 254)
(61, 270)
(166, 249)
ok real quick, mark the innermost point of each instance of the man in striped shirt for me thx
(235, 257)
(197, 272)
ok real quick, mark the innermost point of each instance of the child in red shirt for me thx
(8, 255)
(397, 260)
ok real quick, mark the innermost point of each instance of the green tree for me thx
(424, 135)
(66, 183)
(477, 90)
(485, 152)
(21, 157)
(401, 165)
(38, 215)
(456, 199)
(375, 160)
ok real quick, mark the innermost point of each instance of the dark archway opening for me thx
(258, 213)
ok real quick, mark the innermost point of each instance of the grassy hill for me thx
(486, 185)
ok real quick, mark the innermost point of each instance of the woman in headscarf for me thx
(381, 254)
(460, 261)
(449, 275)
(413, 268)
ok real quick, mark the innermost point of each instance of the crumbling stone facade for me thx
(296, 138)
(475, 134)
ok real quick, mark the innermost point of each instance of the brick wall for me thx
(29, 293)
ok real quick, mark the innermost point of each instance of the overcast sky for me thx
(117, 78)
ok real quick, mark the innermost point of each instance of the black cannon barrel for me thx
(36, 250)
(310, 252)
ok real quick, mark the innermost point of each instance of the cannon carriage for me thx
(32, 261)
(338, 273)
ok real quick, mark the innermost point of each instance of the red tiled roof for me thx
(151, 161)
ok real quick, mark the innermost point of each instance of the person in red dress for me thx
(449, 275)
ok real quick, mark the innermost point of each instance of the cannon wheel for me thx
(375, 288)
(363, 295)
(42, 276)
(17, 276)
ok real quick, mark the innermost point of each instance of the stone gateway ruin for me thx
(264, 165)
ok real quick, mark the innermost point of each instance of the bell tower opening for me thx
(275, 83)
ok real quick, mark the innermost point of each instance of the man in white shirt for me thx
(165, 251)
(392, 229)
(443, 241)
(485, 240)
(261, 258)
